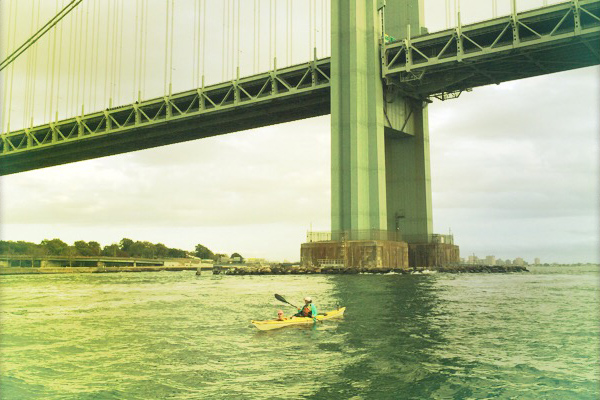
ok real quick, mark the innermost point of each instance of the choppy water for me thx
(172, 335)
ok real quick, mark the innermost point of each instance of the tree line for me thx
(125, 248)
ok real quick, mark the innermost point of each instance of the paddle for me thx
(280, 298)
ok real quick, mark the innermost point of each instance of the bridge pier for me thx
(380, 173)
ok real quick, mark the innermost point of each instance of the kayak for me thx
(276, 324)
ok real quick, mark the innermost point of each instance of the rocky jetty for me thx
(491, 269)
(278, 269)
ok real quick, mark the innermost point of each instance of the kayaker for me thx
(280, 316)
(309, 310)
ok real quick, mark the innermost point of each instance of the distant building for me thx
(490, 260)
(536, 261)
(519, 261)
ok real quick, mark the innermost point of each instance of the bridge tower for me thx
(380, 174)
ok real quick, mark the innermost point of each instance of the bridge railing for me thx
(540, 39)
(366, 234)
(376, 234)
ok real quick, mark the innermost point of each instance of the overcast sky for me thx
(515, 173)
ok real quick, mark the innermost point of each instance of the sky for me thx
(515, 167)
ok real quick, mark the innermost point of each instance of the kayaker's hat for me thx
(308, 299)
(280, 312)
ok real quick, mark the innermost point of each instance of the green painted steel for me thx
(380, 177)
(535, 42)
(283, 95)
(357, 130)
(376, 92)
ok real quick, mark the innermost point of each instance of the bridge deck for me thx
(536, 42)
(546, 40)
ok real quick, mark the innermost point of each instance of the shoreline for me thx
(271, 270)
(87, 270)
(276, 270)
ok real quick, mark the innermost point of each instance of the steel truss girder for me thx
(512, 47)
(263, 92)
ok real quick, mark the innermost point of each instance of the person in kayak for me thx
(280, 316)
(309, 310)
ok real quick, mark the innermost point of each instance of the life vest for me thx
(306, 312)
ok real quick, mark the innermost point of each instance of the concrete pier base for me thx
(356, 254)
(433, 255)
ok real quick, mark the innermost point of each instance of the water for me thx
(173, 335)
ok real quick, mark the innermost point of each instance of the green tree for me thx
(125, 246)
(203, 252)
(161, 251)
(94, 248)
(18, 248)
(82, 248)
(177, 253)
(112, 250)
(55, 247)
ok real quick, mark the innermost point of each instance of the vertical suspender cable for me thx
(254, 40)
(58, 87)
(229, 45)
(196, 27)
(224, 44)
(85, 57)
(53, 63)
(12, 69)
(4, 104)
(257, 38)
(46, 91)
(327, 29)
(144, 50)
(232, 40)
(315, 28)
(166, 47)
(25, 115)
(96, 56)
(203, 37)
(69, 65)
(113, 70)
(270, 33)
(171, 44)
(231, 48)
(106, 66)
(120, 50)
(37, 21)
(135, 49)
(77, 52)
(310, 11)
(274, 33)
(287, 33)
(239, 51)
(77, 77)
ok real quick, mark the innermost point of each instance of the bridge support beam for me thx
(380, 140)
(407, 138)
(357, 129)
(380, 174)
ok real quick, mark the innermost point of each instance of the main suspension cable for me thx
(34, 38)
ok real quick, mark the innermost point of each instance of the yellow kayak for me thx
(276, 324)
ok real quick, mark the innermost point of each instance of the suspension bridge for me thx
(373, 65)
